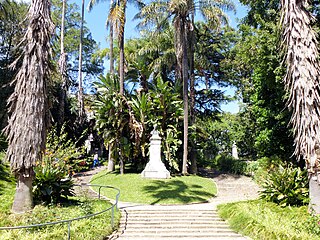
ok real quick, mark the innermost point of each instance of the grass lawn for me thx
(176, 190)
(96, 227)
(264, 220)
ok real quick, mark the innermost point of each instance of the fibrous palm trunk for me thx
(27, 125)
(302, 82)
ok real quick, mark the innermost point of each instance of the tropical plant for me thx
(52, 183)
(115, 118)
(286, 186)
(27, 125)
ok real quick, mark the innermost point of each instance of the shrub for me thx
(262, 167)
(227, 163)
(60, 147)
(286, 186)
(52, 182)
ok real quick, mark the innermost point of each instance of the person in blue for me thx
(96, 162)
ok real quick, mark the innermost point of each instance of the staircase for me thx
(170, 222)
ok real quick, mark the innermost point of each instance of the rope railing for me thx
(113, 207)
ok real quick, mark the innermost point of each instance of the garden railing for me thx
(69, 221)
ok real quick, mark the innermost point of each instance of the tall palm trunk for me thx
(80, 93)
(63, 67)
(111, 51)
(26, 129)
(302, 82)
(191, 41)
(182, 59)
(123, 5)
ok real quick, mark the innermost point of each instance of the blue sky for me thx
(96, 20)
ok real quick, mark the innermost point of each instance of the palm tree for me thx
(182, 11)
(26, 129)
(302, 83)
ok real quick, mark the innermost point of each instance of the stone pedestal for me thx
(155, 167)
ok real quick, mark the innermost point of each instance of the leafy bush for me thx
(52, 182)
(227, 163)
(262, 167)
(286, 186)
(60, 147)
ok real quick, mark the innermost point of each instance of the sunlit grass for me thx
(176, 190)
(97, 227)
(264, 220)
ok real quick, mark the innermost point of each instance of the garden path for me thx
(191, 221)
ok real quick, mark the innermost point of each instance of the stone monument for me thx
(155, 167)
(235, 151)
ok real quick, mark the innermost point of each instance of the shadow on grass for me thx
(177, 190)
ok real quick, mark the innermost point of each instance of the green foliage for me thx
(215, 136)
(265, 220)
(255, 65)
(98, 227)
(226, 163)
(260, 168)
(92, 228)
(60, 147)
(52, 184)
(286, 186)
(126, 121)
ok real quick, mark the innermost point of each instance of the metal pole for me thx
(69, 223)
(112, 217)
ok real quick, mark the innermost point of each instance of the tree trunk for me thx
(111, 50)
(191, 41)
(185, 98)
(27, 126)
(121, 47)
(110, 159)
(80, 93)
(23, 199)
(314, 194)
(63, 68)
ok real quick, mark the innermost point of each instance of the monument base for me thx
(151, 172)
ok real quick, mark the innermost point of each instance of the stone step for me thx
(174, 225)
(161, 213)
(170, 219)
(180, 235)
(179, 231)
(182, 238)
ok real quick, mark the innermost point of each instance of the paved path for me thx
(185, 222)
